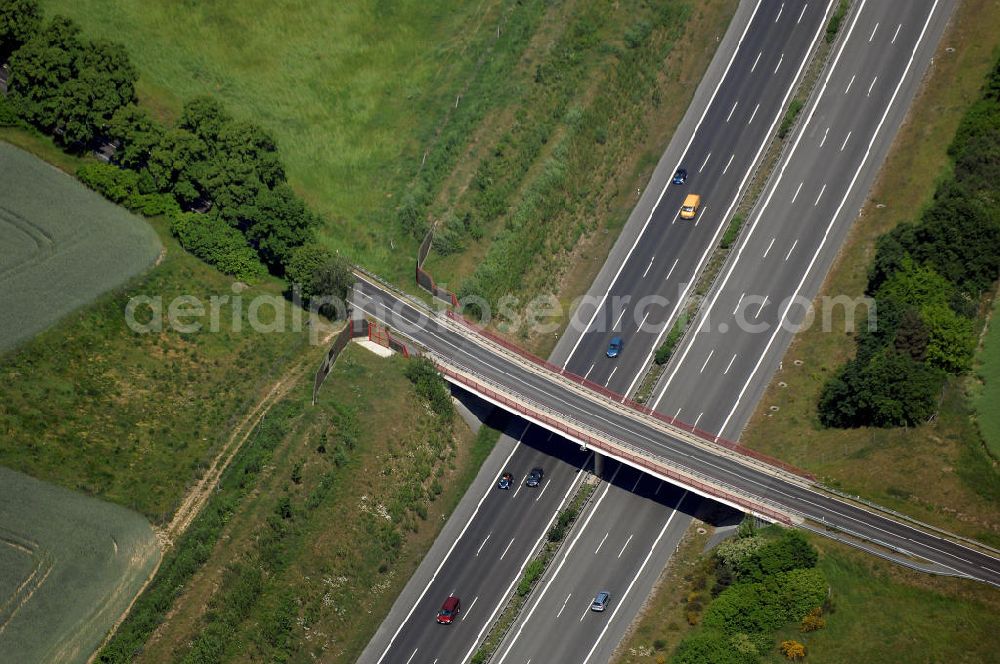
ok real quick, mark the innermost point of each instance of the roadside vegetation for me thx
(938, 471)
(325, 504)
(134, 417)
(870, 610)
(359, 96)
(986, 391)
(537, 201)
(928, 279)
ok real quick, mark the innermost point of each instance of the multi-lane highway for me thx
(719, 154)
(735, 110)
(662, 258)
(795, 233)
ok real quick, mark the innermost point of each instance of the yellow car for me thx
(690, 208)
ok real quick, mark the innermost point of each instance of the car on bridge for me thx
(534, 477)
(505, 481)
(615, 347)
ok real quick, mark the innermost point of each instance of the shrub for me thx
(532, 573)
(732, 232)
(786, 122)
(664, 352)
(215, 242)
(429, 384)
(834, 25)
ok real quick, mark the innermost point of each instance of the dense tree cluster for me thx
(83, 93)
(764, 581)
(927, 277)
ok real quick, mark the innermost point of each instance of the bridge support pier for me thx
(598, 464)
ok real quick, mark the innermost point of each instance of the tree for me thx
(277, 224)
(218, 244)
(916, 285)
(951, 338)
(40, 70)
(104, 82)
(911, 336)
(173, 164)
(137, 133)
(19, 22)
(709, 647)
(304, 262)
(333, 281)
(793, 650)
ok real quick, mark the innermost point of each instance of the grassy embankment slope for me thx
(878, 612)
(986, 394)
(938, 472)
(353, 92)
(343, 505)
(538, 200)
(133, 418)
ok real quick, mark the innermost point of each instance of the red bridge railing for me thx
(622, 399)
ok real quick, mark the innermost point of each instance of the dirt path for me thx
(197, 497)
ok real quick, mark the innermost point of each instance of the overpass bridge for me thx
(612, 426)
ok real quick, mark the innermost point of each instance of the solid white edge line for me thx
(736, 198)
(450, 550)
(836, 213)
(746, 239)
(565, 556)
(520, 571)
(642, 232)
(621, 602)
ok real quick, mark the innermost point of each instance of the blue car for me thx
(681, 176)
(615, 347)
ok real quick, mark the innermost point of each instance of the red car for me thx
(451, 607)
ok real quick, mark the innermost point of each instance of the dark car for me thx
(534, 477)
(681, 176)
(615, 347)
(449, 610)
(601, 601)
(505, 481)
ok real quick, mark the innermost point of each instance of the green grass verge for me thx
(937, 472)
(133, 418)
(885, 613)
(987, 396)
(354, 92)
(303, 524)
(61, 245)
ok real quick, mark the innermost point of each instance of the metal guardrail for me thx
(673, 425)
(605, 442)
(875, 507)
(527, 600)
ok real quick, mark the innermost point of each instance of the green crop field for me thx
(135, 417)
(69, 566)
(352, 91)
(61, 245)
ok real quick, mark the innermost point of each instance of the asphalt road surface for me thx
(663, 260)
(612, 422)
(726, 362)
(720, 155)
